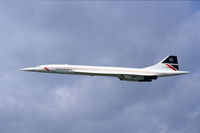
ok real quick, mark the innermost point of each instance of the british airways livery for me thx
(167, 67)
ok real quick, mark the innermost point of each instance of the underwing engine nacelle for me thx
(137, 78)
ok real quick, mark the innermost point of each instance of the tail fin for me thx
(168, 63)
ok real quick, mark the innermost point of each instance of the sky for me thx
(105, 33)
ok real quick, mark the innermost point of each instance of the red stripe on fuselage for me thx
(46, 68)
(171, 67)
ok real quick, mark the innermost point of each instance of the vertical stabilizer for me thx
(169, 63)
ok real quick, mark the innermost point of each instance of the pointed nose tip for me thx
(27, 69)
(24, 69)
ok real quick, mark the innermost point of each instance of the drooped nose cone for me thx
(31, 69)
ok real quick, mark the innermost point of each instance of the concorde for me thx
(167, 67)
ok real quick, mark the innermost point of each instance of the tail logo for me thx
(171, 59)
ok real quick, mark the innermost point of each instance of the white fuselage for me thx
(131, 74)
(167, 67)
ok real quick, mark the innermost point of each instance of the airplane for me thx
(167, 67)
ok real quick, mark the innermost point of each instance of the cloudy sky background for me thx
(124, 34)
